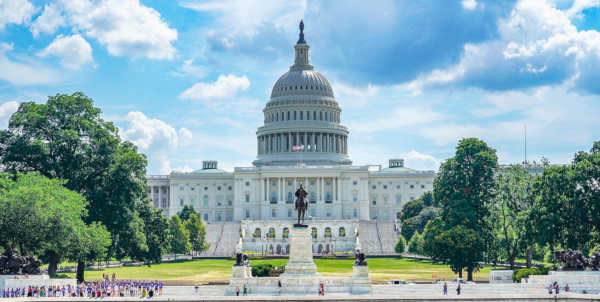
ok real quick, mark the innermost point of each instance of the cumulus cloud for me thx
(73, 51)
(538, 45)
(49, 21)
(226, 86)
(15, 12)
(25, 71)
(469, 4)
(155, 138)
(6, 110)
(418, 160)
(190, 69)
(124, 27)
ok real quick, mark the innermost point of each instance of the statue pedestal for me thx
(300, 276)
(361, 283)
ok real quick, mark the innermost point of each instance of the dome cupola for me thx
(302, 119)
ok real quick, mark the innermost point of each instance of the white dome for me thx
(307, 82)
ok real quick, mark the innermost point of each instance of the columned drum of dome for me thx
(302, 119)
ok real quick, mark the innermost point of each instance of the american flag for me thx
(297, 147)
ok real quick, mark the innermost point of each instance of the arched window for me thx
(342, 232)
(285, 233)
(257, 233)
(327, 233)
(314, 233)
(271, 233)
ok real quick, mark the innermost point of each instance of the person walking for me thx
(550, 287)
(445, 288)
(237, 291)
(245, 293)
(567, 289)
(196, 288)
(458, 289)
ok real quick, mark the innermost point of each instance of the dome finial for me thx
(301, 39)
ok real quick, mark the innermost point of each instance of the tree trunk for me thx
(460, 274)
(470, 274)
(52, 264)
(80, 271)
(529, 257)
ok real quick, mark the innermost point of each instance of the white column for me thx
(268, 190)
(305, 142)
(279, 189)
(335, 197)
(339, 189)
(322, 189)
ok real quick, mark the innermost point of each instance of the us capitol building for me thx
(302, 141)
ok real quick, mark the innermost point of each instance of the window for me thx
(328, 197)
(273, 197)
(205, 217)
(205, 188)
(328, 213)
(247, 197)
(384, 187)
(273, 183)
(314, 115)
(192, 188)
(412, 186)
(398, 199)
(219, 201)
(342, 232)
(313, 197)
(328, 182)
(398, 187)
(355, 213)
(271, 233)
(314, 233)
(374, 201)
(219, 216)
(354, 196)
(285, 233)
(422, 186)
(289, 212)
(181, 188)
(181, 202)
(327, 233)
(257, 233)
(289, 183)
(312, 182)
(247, 213)
(355, 182)
(412, 198)
(374, 187)
(321, 115)
(273, 213)
(247, 184)
(219, 188)
(288, 116)
(385, 199)
(229, 202)
(290, 197)
(294, 115)
(229, 188)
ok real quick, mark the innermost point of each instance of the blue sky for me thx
(186, 80)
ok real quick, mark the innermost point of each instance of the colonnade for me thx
(312, 142)
(160, 196)
(320, 183)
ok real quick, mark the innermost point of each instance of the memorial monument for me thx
(300, 276)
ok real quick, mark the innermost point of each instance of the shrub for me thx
(261, 270)
(400, 245)
(526, 272)
(415, 244)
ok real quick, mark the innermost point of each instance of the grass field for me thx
(207, 271)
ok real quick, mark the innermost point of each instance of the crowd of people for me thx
(107, 287)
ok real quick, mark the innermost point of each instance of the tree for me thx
(179, 237)
(66, 138)
(511, 207)
(185, 213)
(156, 231)
(412, 209)
(464, 187)
(400, 246)
(40, 216)
(197, 233)
(586, 176)
(415, 244)
(432, 244)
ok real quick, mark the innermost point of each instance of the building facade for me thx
(302, 141)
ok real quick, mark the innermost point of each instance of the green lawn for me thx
(206, 271)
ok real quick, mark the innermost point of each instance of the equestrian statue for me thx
(301, 205)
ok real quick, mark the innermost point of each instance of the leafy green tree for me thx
(415, 244)
(418, 222)
(412, 209)
(185, 213)
(464, 187)
(432, 244)
(40, 216)
(197, 233)
(67, 138)
(400, 246)
(179, 237)
(511, 207)
(586, 176)
(156, 231)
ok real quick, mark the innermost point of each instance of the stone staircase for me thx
(222, 237)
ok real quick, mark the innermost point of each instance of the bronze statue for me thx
(301, 205)
(360, 258)
(11, 264)
(575, 260)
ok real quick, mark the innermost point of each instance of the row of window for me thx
(302, 115)
(285, 233)
(374, 187)
(312, 211)
(192, 188)
(205, 201)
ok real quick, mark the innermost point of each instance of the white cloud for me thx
(154, 138)
(422, 161)
(25, 71)
(469, 4)
(191, 70)
(6, 110)
(73, 51)
(49, 21)
(15, 12)
(579, 5)
(226, 86)
(124, 27)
